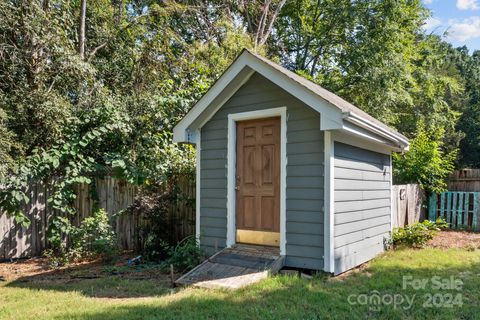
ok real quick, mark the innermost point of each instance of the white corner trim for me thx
(231, 169)
(329, 191)
(197, 186)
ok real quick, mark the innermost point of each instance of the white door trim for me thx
(231, 167)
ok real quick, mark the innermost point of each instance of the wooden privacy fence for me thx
(111, 194)
(407, 203)
(466, 180)
(460, 209)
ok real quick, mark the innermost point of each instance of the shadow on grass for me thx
(284, 297)
(100, 281)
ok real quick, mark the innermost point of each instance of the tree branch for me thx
(94, 51)
(272, 21)
(81, 29)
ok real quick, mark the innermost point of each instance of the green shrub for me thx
(94, 237)
(155, 248)
(56, 258)
(417, 234)
(184, 256)
(426, 163)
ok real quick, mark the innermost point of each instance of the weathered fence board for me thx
(465, 180)
(112, 194)
(407, 203)
(460, 209)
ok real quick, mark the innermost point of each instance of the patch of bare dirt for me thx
(39, 269)
(455, 239)
(22, 268)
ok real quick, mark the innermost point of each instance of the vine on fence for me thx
(93, 146)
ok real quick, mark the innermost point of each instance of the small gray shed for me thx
(283, 162)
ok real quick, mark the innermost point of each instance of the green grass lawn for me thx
(279, 297)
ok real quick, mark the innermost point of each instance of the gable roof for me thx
(334, 116)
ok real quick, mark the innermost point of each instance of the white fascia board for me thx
(180, 131)
(382, 142)
(399, 141)
(361, 141)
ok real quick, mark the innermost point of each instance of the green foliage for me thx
(425, 163)
(185, 255)
(94, 237)
(154, 205)
(72, 160)
(58, 232)
(417, 234)
(375, 54)
(7, 141)
(155, 248)
(40, 71)
(468, 67)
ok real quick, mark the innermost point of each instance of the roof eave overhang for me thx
(398, 141)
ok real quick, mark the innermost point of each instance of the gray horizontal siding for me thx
(304, 195)
(362, 204)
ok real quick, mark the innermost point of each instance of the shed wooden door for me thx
(258, 181)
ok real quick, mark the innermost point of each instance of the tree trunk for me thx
(265, 26)
(81, 29)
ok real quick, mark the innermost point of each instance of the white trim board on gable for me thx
(336, 113)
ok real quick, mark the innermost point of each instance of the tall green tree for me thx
(468, 66)
(374, 54)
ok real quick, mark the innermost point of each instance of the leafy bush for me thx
(155, 248)
(425, 163)
(417, 234)
(186, 255)
(94, 237)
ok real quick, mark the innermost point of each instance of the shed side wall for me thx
(362, 205)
